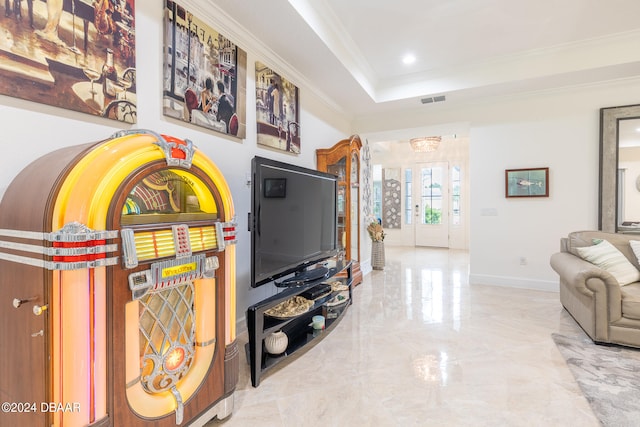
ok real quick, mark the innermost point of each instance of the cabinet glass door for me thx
(342, 218)
(339, 169)
(355, 206)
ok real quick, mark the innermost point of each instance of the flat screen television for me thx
(293, 222)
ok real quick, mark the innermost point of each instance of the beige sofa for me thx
(608, 312)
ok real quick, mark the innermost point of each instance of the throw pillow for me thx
(635, 247)
(609, 258)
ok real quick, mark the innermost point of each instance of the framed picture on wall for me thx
(76, 55)
(277, 111)
(527, 182)
(205, 74)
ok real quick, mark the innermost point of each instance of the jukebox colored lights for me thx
(174, 359)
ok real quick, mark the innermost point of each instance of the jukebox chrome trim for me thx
(57, 251)
(71, 232)
(206, 343)
(211, 264)
(188, 150)
(179, 405)
(129, 254)
(59, 266)
(176, 272)
(140, 283)
(77, 232)
(169, 274)
(167, 147)
(88, 248)
(226, 233)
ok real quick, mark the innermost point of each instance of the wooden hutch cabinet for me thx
(343, 160)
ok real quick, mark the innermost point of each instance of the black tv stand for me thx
(304, 277)
(298, 329)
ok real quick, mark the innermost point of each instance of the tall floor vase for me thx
(377, 255)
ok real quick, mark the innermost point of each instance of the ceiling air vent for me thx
(430, 99)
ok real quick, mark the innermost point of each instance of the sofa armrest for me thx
(564, 244)
(589, 280)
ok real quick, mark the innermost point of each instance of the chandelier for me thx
(425, 144)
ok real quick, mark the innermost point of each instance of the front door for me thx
(431, 207)
(23, 343)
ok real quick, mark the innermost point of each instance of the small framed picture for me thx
(532, 182)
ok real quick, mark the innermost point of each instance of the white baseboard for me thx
(514, 282)
(241, 325)
(365, 266)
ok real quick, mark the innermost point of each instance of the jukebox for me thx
(117, 287)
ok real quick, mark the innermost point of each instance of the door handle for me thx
(40, 333)
(17, 302)
(39, 309)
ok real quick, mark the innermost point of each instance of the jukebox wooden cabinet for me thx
(118, 287)
(343, 160)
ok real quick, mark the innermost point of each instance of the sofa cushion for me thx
(607, 257)
(579, 239)
(631, 301)
(635, 247)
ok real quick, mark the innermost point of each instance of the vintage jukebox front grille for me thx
(166, 322)
(167, 337)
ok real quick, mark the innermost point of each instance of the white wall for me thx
(557, 130)
(530, 227)
(30, 130)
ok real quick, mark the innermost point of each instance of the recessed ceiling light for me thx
(409, 59)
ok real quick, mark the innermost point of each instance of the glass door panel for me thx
(431, 211)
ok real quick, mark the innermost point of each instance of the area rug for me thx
(609, 377)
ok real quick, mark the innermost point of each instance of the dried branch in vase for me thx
(376, 232)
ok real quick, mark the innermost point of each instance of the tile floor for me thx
(420, 346)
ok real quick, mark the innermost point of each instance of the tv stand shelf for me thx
(300, 334)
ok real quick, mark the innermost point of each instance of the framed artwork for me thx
(527, 182)
(74, 54)
(277, 111)
(204, 74)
